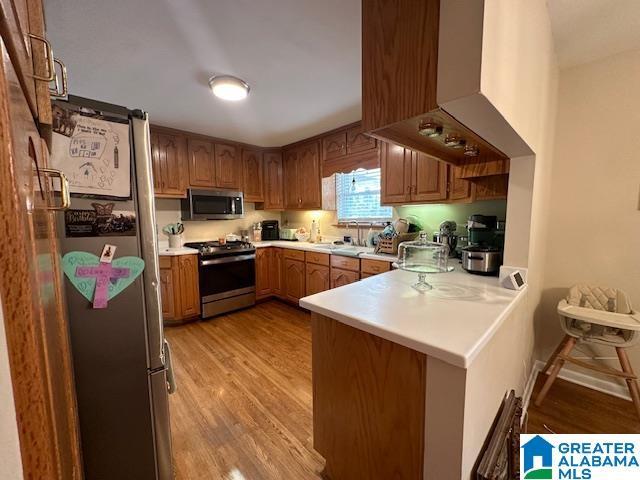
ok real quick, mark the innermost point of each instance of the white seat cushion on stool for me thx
(599, 298)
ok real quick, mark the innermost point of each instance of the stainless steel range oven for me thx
(227, 276)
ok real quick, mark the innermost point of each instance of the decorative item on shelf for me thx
(430, 129)
(423, 257)
(174, 232)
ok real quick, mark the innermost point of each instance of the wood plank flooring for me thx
(571, 408)
(243, 407)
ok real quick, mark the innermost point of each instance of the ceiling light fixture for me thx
(228, 87)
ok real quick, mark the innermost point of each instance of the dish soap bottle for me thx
(314, 232)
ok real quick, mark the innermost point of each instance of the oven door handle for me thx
(236, 258)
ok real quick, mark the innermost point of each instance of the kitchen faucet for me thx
(359, 242)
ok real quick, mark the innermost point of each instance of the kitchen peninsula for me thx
(420, 364)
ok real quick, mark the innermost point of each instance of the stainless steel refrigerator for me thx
(121, 360)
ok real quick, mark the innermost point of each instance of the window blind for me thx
(360, 200)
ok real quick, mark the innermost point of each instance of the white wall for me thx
(10, 459)
(519, 77)
(594, 219)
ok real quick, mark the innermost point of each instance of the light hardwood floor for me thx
(571, 408)
(243, 408)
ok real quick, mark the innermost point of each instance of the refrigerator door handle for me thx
(171, 379)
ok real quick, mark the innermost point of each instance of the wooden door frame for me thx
(42, 453)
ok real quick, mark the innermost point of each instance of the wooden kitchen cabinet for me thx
(358, 141)
(460, 190)
(169, 162)
(340, 277)
(334, 146)
(252, 166)
(263, 272)
(413, 177)
(302, 177)
(273, 181)
(294, 279)
(493, 187)
(373, 267)
(317, 278)
(201, 163)
(429, 178)
(179, 288)
(228, 168)
(275, 272)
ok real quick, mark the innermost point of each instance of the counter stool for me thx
(596, 315)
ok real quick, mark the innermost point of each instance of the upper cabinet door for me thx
(358, 142)
(395, 164)
(334, 146)
(292, 199)
(155, 163)
(273, 181)
(253, 175)
(171, 159)
(460, 190)
(228, 168)
(201, 163)
(310, 179)
(429, 179)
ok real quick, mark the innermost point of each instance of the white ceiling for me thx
(301, 58)
(588, 30)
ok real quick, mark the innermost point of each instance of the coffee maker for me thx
(483, 255)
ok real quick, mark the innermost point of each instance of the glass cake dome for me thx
(423, 257)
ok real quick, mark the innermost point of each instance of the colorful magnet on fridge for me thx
(99, 281)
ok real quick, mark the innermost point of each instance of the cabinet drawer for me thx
(340, 277)
(165, 262)
(317, 258)
(374, 266)
(293, 254)
(346, 263)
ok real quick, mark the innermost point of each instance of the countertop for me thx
(359, 252)
(165, 251)
(452, 322)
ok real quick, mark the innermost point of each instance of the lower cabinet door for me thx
(318, 278)
(341, 277)
(167, 292)
(275, 272)
(263, 272)
(189, 288)
(294, 279)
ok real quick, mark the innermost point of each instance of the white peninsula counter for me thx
(408, 384)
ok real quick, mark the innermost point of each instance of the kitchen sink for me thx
(344, 250)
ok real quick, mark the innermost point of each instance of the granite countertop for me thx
(452, 322)
(358, 252)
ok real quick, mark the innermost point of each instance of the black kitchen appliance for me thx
(483, 255)
(270, 230)
(212, 204)
(227, 276)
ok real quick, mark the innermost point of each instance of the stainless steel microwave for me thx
(214, 204)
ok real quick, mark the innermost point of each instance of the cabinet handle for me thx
(51, 68)
(56, 92)
(64, 189)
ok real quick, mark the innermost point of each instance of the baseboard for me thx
(528, 389)
(585, 380)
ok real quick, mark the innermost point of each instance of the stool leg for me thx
(554, 355)
(553, 373)
(631, 382)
